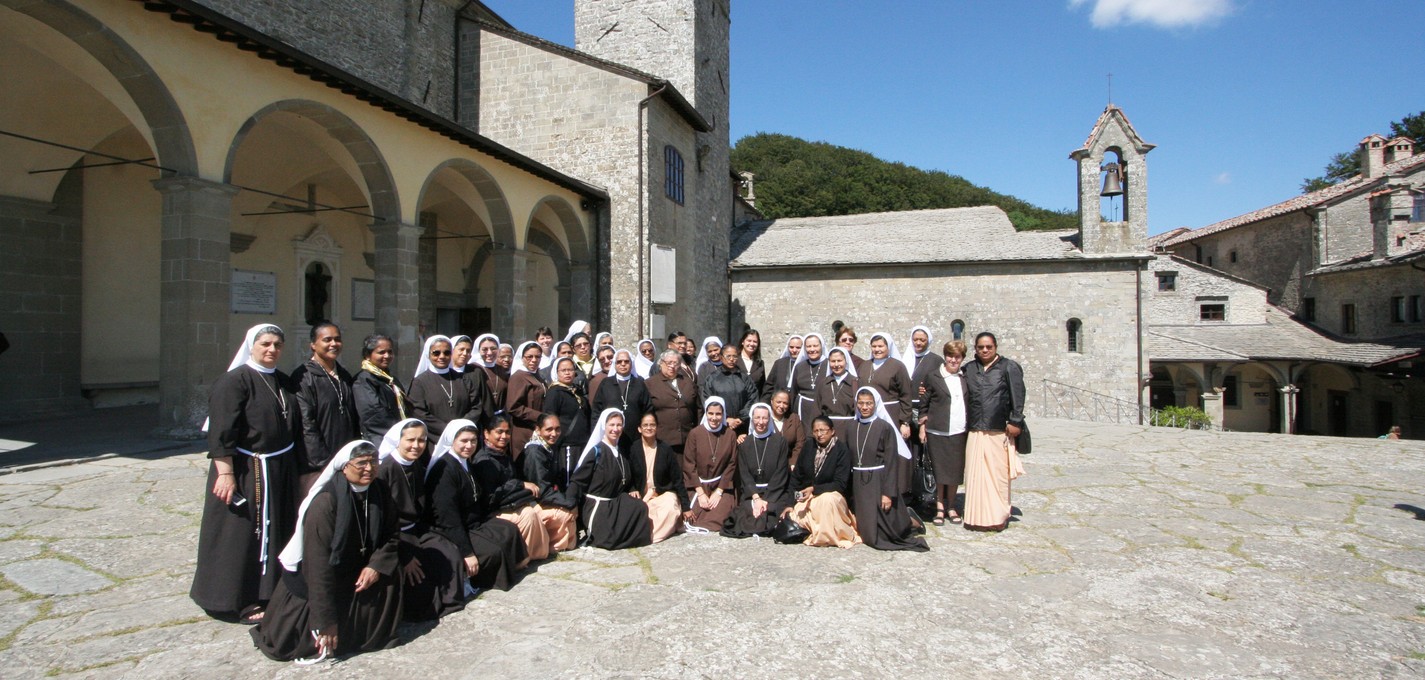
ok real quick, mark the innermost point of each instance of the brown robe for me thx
(524, 403)
(795, 432)
(893, 382)
(710, 463)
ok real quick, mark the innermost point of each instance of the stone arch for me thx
(569, 221)
(172, 141)
(375, 173)
(1336, 369)
(501, 225)
(477, 264)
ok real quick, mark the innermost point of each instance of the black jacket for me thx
(835, 473)
(996, 395)
(328, 412)
(667, 470)
(376, 409)
(733, 386)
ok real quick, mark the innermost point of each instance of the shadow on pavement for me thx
(1419, 512)
(125, 431)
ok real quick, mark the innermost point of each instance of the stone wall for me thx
(406, 47)
(1006, 299)
(1370, 290)
(1275, 253)
(1345, 230)
(1246, 304)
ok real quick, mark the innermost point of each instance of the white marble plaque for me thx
(363, 300)
(254, 292)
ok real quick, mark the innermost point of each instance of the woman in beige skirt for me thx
(663, 490)
(822, 477)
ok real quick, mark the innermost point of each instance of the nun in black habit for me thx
(431, 566)
(763, 479)
(440, 394)
(613, 509)
(877, 454)
(254, 441)
(492, 549)
(340, 592)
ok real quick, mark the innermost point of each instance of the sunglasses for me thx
(440, 353)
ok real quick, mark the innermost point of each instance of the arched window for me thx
(957, 329)
(1075, 329)
(673, 174)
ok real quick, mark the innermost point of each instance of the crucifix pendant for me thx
(450, 403)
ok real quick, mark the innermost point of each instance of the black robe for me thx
(376, 407)
(453, 511)
(805, 378)
(341, 536)
(893, 383)
(498, 487)
(550, 472)
(573, 411)
(756, 371)
(628, 396)
(613, 519)
(442, 591)
(328, 412)
(761, 470)
(834, 475)
(875, 472)
(776, 379)
(245, 414)
(438, 398)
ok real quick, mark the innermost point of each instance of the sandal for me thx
(954, 518)
(939, 518)
(252, 616)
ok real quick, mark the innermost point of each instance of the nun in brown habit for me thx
(709, 463)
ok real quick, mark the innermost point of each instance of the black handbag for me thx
(789, 532)
(923, 485)
(1022, 443)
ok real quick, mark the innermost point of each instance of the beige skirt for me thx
(990, 463)
(536, 539)
(666, 515)
(561, 526)
(828, 520)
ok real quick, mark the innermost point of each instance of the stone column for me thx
(581, 293)
(427, 275)
(1212, 405)
(195, 275)
(511, 292)
(1289, 408)
(398, 290)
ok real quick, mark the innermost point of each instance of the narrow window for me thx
(1213, 311)
(1414, 309)
(1167, 281)
(673, 174)
(1308, 309)
(1229, 392)
(1199, 254)
(1397, 309)
(1348, 319)
(957, 329)
(318, 293)
(1232, 256)
(1209, 260)
(1075, 329)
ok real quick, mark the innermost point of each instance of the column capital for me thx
(177, 183)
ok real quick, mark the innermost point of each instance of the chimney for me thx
(1399, 149)
(1372, 156)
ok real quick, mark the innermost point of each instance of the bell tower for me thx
(1113, 187)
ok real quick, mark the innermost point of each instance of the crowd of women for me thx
(338, 505)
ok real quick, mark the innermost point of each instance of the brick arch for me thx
(172, 141)
(375, 173)
(502, 226)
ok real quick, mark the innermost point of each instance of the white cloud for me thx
(1159, 13)
(1223, 178)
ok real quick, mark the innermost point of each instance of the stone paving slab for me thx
(1137, 553)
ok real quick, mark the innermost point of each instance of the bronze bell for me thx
(1112, 179)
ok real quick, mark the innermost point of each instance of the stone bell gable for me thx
(1113, 140)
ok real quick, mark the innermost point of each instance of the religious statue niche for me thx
(319, 276)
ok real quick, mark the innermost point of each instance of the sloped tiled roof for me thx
(1307, 200)
(1103, 118)
(1281, 337)
(904, 237)
(1365, 261)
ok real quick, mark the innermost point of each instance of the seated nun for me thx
(540, 466)
(822, 481)
(503, 494)
(431, 565)
(340, 592)
(491, 548)
(709, 463)
(763, 479)
(614, 514)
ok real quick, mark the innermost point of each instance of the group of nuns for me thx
(340, 504)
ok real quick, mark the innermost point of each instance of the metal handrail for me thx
(1076, 403)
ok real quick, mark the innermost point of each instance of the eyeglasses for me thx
(440, 353)
(984, 346)
(623, 361)
(362, 464)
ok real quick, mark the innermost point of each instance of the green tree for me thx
(1344, 166)
(797, 178)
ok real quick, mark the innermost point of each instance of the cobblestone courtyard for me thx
(1139, 553)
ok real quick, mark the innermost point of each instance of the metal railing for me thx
(1076, 403)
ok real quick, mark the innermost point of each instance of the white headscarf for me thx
(446, 445)
(881, 414)
(244, 355)
(771, 424)
(720, 402)
(425, 364)
(802, 357)
(291, 555)
(455, 340)
(475, 349)
(928, 347)
(891, 351)
(642, 366)
(601, 336)
(787, 348)
(614, 365)
(392, 440)
(596, 436)
(599, 365)
(519, 357)
(576, 329)
(554, 358)
(845, 353)
(703, 353)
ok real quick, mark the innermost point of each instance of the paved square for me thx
(1140, 553)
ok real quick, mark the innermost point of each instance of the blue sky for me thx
(1244, 98)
